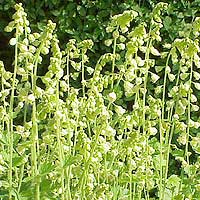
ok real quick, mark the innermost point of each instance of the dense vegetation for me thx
(100, 106)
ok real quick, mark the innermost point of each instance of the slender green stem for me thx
(161, 121)
(169, 134)
(139, 195)
(146, 194)
(149, 43)
(113, 61)
(68, 87)
(188, 115)
(134, 191)
(25, 116)
(186, 156)
(35, 152)
(60, 148)
(168, 149)
(75, 137)
(145, 84)
(87, 164)
(161, 160)
(10, 128)
(68, 171)
(22, 167)
(131, 185)
(2, 89)
(34, 132)
(164, 87)
(83, 73)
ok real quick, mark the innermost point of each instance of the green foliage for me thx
(81, 19)
(69, 133)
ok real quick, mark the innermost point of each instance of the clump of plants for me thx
(126, 128)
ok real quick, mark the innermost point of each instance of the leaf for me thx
(81, 10)
(167, 22)
(178, 153)
(27, 187)
(179, 197)
(46, 168)
(18, 160)
(139, 32)
(56, 12)
(124, 19)
(73, 160)
(46, 186)
(41, 26)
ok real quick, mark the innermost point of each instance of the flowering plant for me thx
(61, 140)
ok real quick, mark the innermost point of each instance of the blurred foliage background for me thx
(87, 19)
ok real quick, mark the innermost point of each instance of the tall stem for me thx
(68, 170)
(113, 61)
(144, 99)
(60, 148)
(83, 73)
(34, 132)
(10, 127)
(164, 87)
(25, 116)
(68, 72)
(188, 115)
(169, 135)
(161, 121)
(161, 159)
